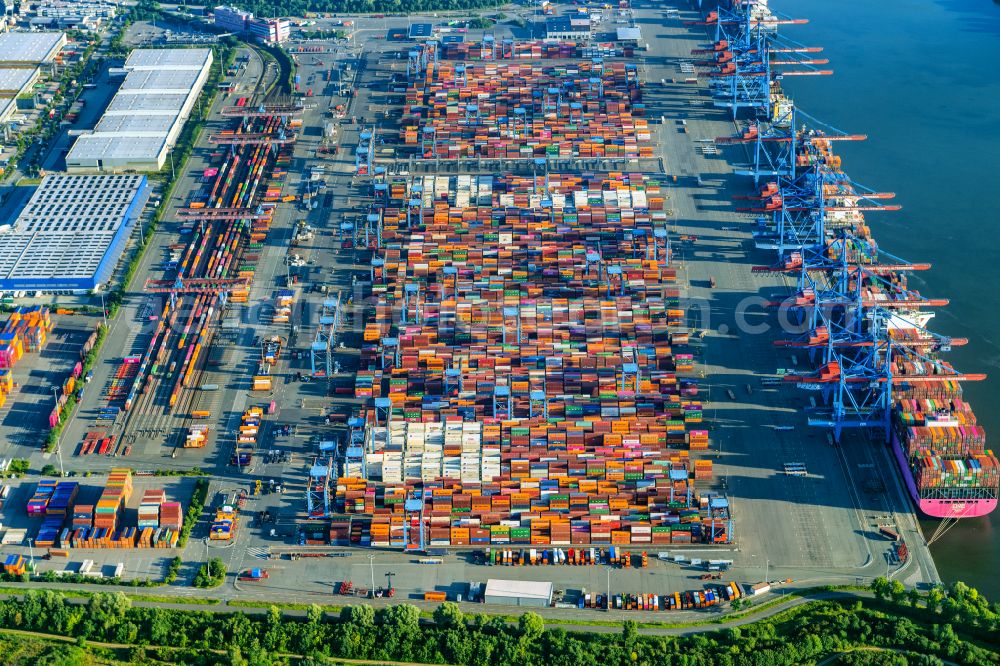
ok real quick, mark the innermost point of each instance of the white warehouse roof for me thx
(167, 59)
(145, 117)
(7, 107)
(129, 148)
(159, 81)
(13, 81)
(30, 47)
(156, 104)
(519, 589)
(135, 125)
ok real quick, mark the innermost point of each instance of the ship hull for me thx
(934, 508)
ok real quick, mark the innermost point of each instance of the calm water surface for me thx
(919, 78)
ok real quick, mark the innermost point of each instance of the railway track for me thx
(180, 351)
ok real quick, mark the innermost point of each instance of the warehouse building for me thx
(180, 60)
(71, 233)
(144, 119)
(22, 56)
(567, 28)
(537, 594)
(13, 82)
(30, 49)
(8, 105)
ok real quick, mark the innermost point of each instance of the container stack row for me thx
(14, 565)
(510, 111)
(283, 306)
(531, 50)
(25, 331)
(113, 499)
(67, 524)
(563, 518)
(149, 507)
(975, 471)
(525, 367)
(246, 436)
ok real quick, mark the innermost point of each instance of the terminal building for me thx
(78, 14)
(144, 119)
(71, 233)
(232, 19)
(265, 30)
(567, 28)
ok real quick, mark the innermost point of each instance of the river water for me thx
(919, 77)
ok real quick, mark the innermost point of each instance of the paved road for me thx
(696, 626)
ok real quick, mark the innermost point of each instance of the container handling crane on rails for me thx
(777, 144)
(812, 217)
(195, 285)
(742, 68)
(797, 213)
(282, 110)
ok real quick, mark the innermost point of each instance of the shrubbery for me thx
(211, 574)
(805, 634)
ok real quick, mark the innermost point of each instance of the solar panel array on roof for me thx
(136, 126)
(71, 232)
(153, 104)
(157, 80)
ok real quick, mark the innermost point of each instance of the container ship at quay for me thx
(877, 366)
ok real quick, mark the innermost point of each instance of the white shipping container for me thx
(13, 537)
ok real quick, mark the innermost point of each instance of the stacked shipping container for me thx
(70, 525)
(511, 111)
(945, 447)
(525, 363)
(26, 330)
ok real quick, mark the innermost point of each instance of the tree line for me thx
(804, 634)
